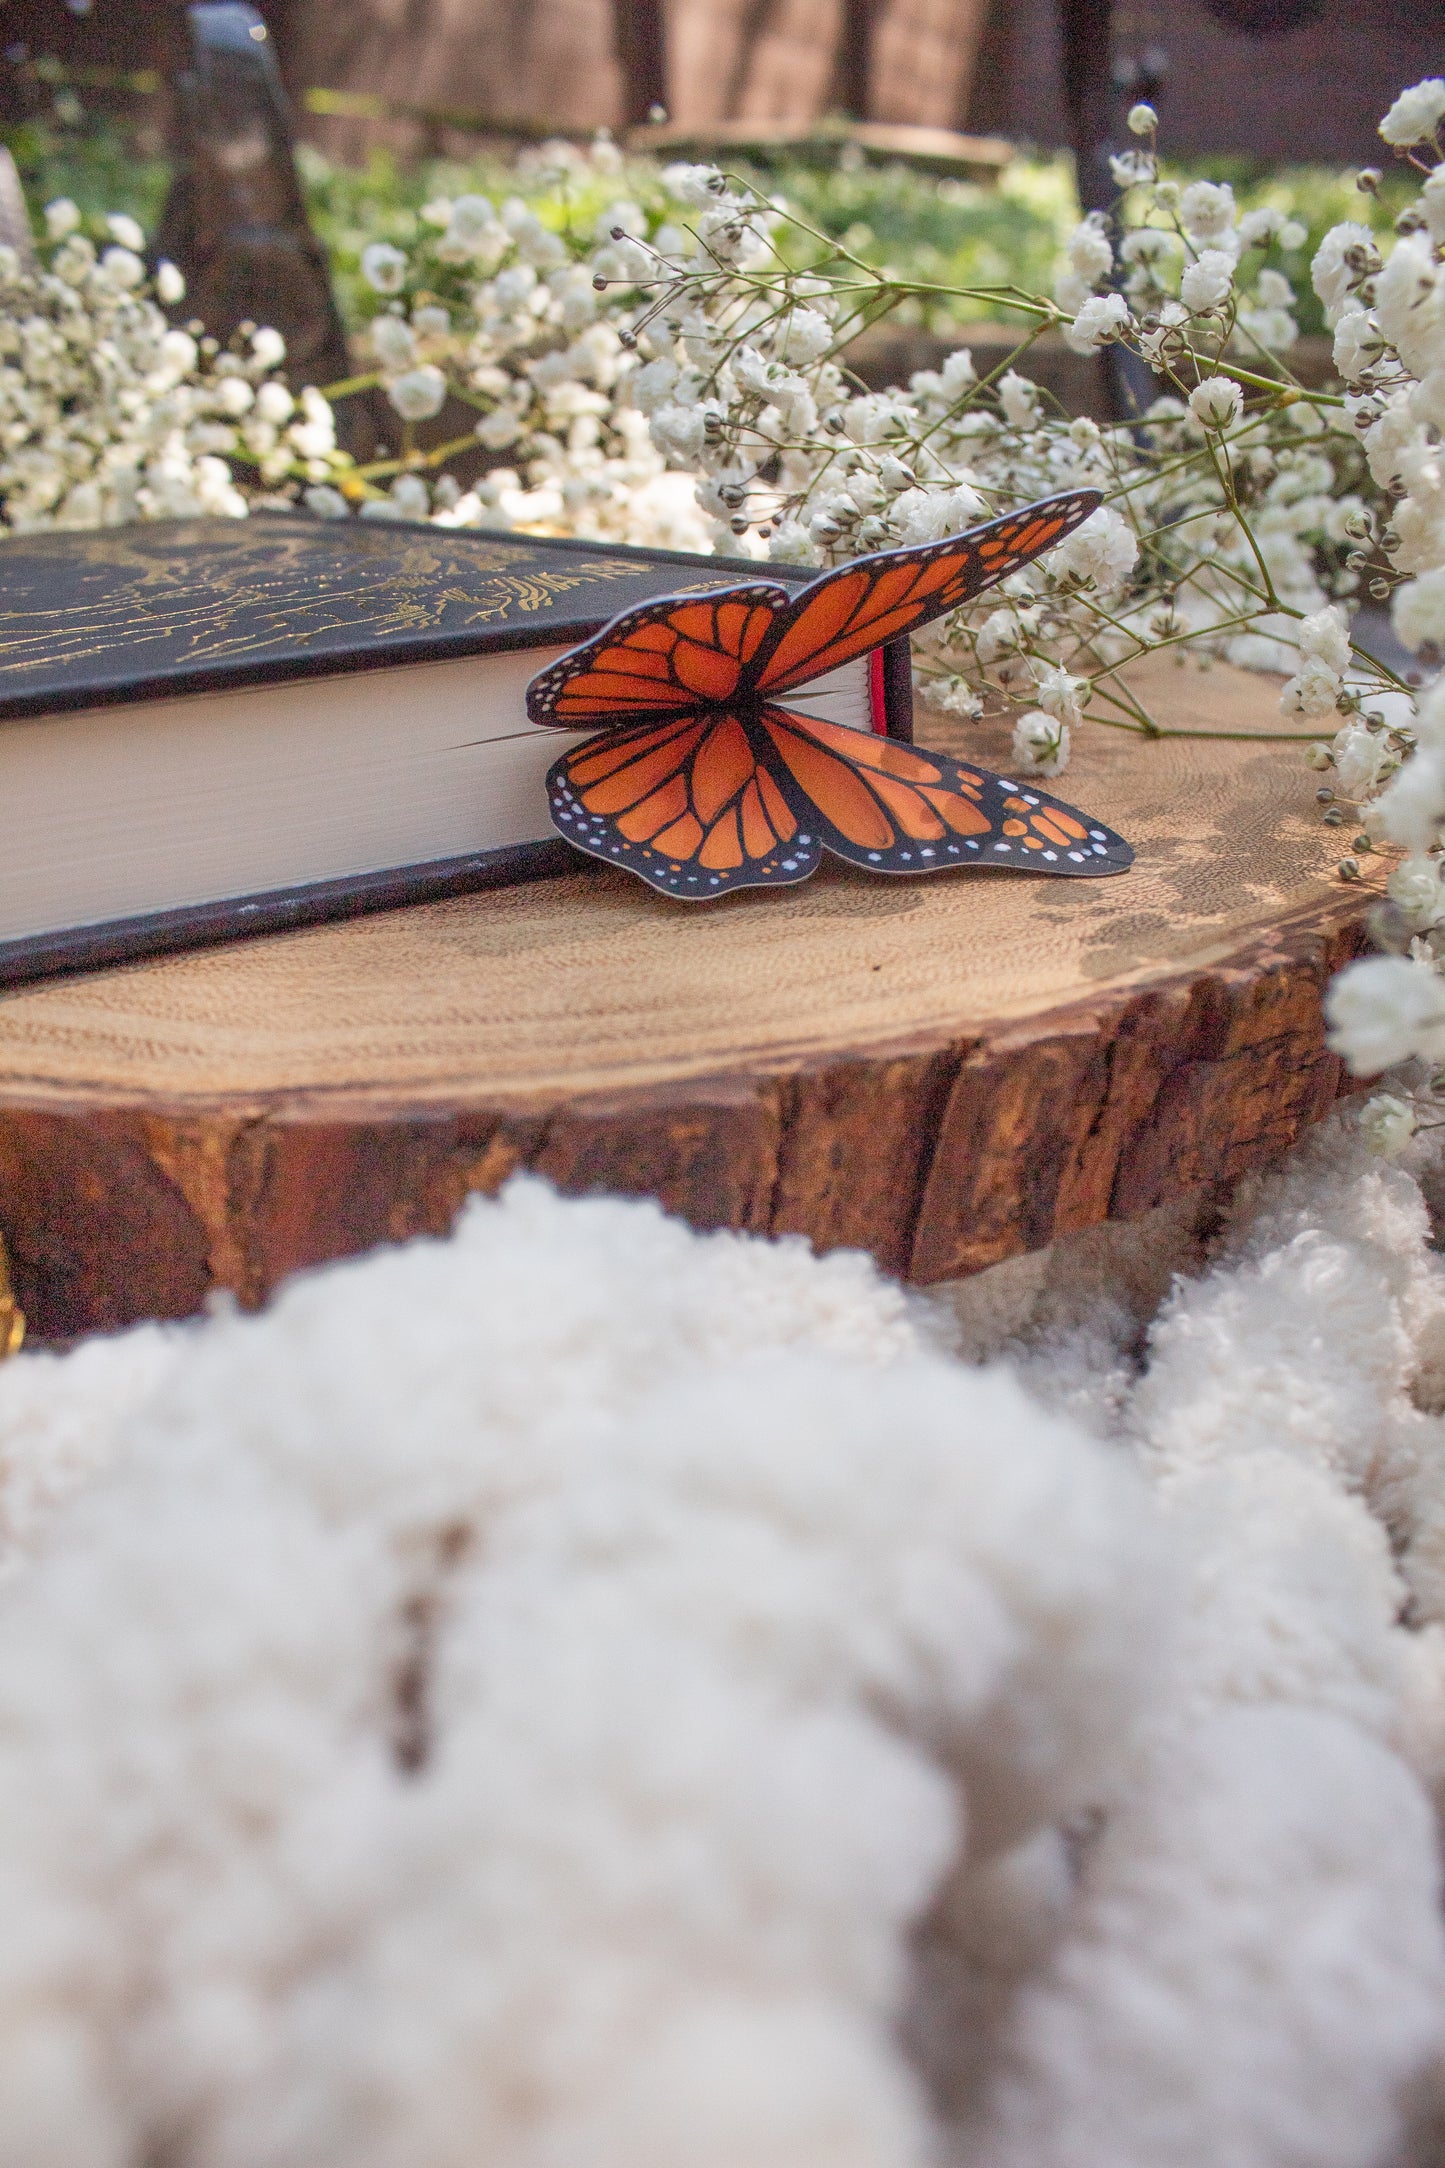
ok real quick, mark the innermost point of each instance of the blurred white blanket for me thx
(583, 1695)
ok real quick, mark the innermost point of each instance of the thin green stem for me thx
(413, 462)
(344, 386)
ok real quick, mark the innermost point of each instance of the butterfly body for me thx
(703, 778)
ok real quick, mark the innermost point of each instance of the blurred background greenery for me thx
(953, 233)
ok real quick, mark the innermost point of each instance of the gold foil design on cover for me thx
(83, 609)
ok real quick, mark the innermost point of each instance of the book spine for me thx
(891, 683)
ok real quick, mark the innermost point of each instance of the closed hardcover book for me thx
(211, 728)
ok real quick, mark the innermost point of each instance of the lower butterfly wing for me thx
(687, 804)
(882, 597)
(896, 809)
(675, 652)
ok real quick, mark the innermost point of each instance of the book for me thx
(213, 727)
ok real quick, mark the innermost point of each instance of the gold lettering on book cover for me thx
(212, 594)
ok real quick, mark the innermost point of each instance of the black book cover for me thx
(186, 606)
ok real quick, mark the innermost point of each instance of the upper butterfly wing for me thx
(690, 805)
(897, 809)
(881, 597)
(677, 653)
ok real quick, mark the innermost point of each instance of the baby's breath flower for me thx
(1148, 244)
(791, 544)
(1071, 290)
(927, 515)
(1362, 757)
(468, 221)
(122, 267)
(1387, 1124)
(1415, 114)
(1018, 398)
(1412, 808)
(1414, 887)
(1323, 634)
(411, 497)
(679, 431)
(1418, 610)
(1102, 319)
(957, 697)
(1040, 743)
(1217, 402)
(1258, 228)
(1343, 259)
(1089, 249)
(314, 435)
(383, 267)
(1358, 344)
(394, 342)
(1314, 690)
(500, 429)
(1059, 694)
(1129, 169)
(235, 395)
(1209, 280)
(1383, 1009)
(1206, 210)
(1432, 203)
(694, 184)
(324, 501)
(804, 336)
(1142, 119)
(1103, 549)
(275, 404)
(419, 394)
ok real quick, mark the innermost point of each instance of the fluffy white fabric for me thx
(584, 1695)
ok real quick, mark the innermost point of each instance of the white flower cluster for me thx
(109, 413)
(635, 360)
(1247, 503)
(492, 310)
(1387, 310)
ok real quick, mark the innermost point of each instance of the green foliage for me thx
(948, 233)
(90, 157)
(944, 233)
(353, 206)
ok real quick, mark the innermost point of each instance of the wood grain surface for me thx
(943, 1072)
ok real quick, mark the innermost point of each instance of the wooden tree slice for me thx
(943, 1072)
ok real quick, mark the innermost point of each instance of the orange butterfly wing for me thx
(699, 784)
(703, 803)
(895, 809)
(680, 653)
(692, 805)
(881, 597)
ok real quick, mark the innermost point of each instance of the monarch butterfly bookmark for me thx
(704, 778)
